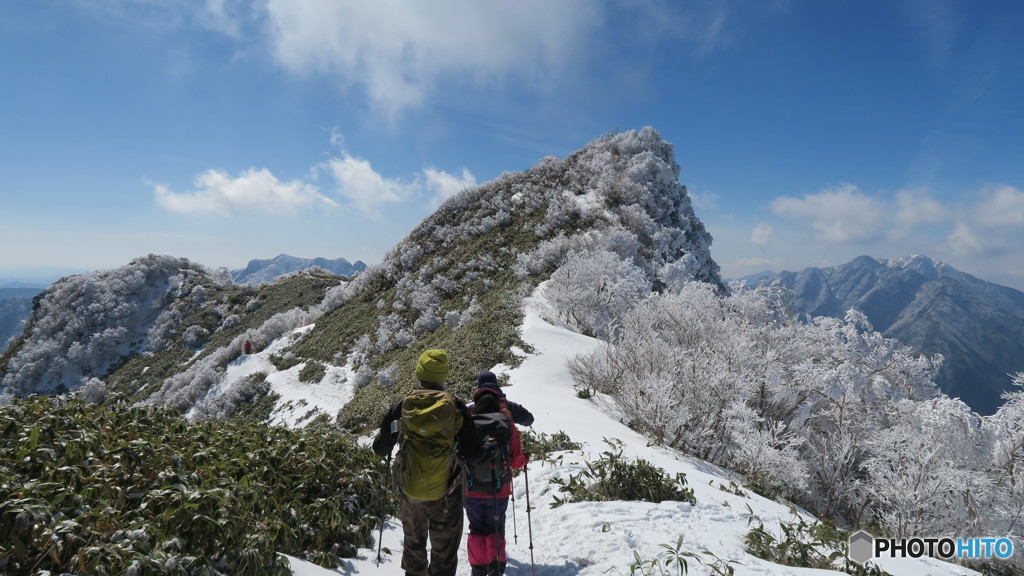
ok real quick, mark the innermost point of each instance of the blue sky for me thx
(808, 132)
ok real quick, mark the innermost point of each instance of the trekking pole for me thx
(380, 537)
(515, 529)
(529, 523)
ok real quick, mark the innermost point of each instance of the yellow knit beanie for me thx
(432, 366)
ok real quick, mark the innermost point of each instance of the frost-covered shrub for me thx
(285, 360)
(445, 286)
(562, 209)
(404, 338)
(828, 413)
(164, 330)
(363, 376)
(427, 323)
(93, 391)
(195, 336)
(676, 275)
(230, 322)
(387, 331)
(452, 318)
(235, 396)
(926, 461)
(388, 376)
(410, 256)
(544, 257)
(360, 353)
(590, 291)
(198, 295)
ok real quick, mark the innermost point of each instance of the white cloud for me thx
(841, 215)
(354, 183)
(445, 185)
(761, 234)
(254, 191)
(369, 191)
(703, 201)
(913, 208)
(1001, 206)
(918, 207)
(397, 50)
(963, 242)
(357, 182)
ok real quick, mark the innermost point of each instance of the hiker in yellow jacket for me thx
(433, 431)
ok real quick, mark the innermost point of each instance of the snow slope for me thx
(300, 401)
(597, 538)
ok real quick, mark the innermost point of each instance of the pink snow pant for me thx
(486, 542)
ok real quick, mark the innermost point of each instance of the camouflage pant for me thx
(440, 522)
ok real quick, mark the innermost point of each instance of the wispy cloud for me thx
(761, 234)
(1001, 206)
(220, 16)
(913, 208)
(992, 224)
(918, 207)
(444, 185)
(369, 191)
(963, 242)
(353, 183)
(357, 181)
(842, 215)
(252, 192)
(397, 51)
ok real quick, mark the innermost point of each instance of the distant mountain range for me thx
(260, 271)
(977, 326)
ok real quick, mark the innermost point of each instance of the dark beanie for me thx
(487, 382)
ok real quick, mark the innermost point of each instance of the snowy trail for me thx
(591, 538)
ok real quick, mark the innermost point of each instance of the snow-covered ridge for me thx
(86, 323)
(927, 267)
(624, 186)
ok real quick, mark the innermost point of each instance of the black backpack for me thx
(491, 469)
